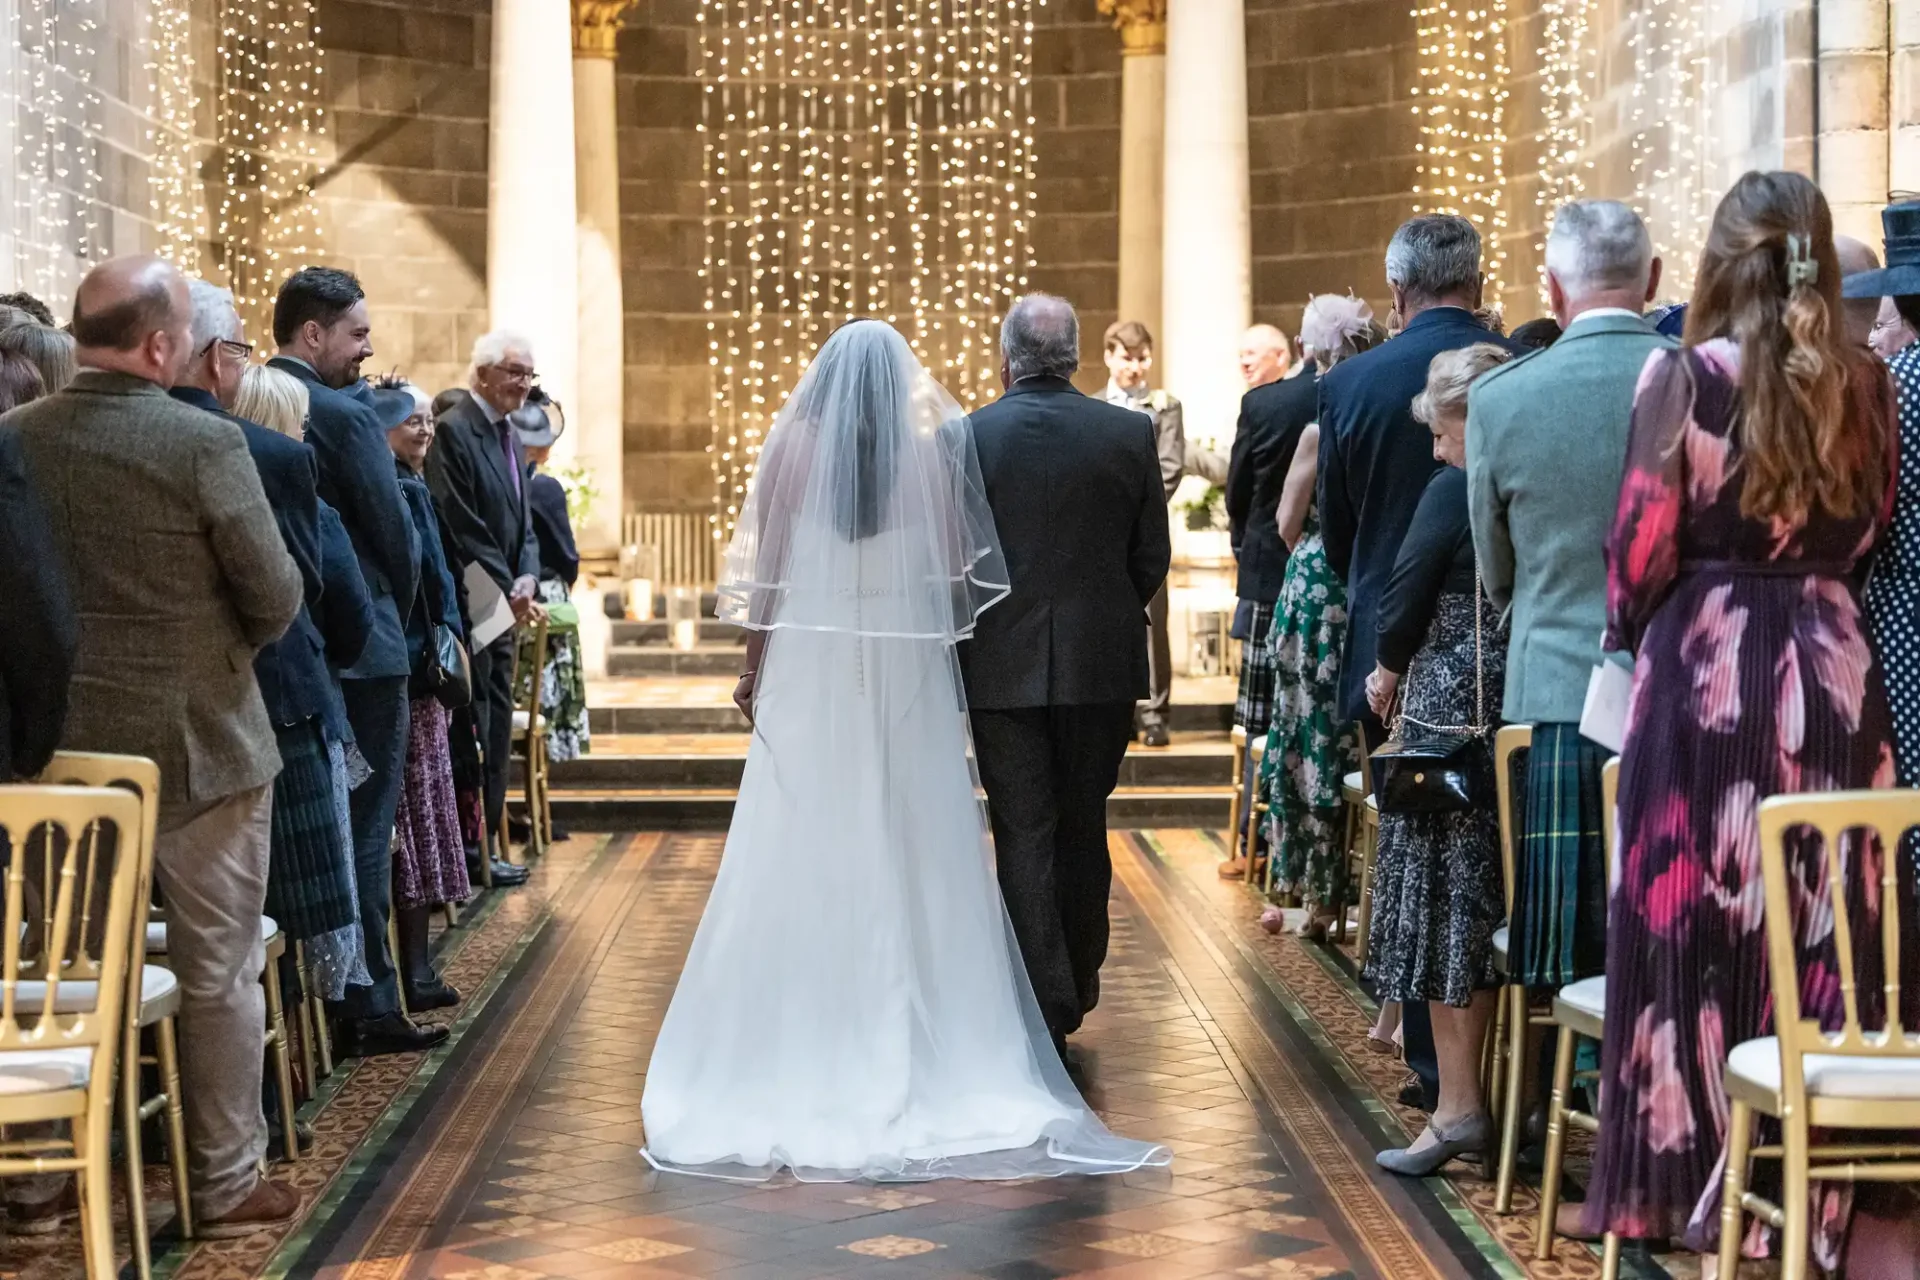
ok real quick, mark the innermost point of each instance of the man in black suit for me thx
(478, 475)
(38, 631)
(1375, 460)
(1053, 671)
(1272, 416)
(321, 327)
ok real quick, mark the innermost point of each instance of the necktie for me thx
(506, 451)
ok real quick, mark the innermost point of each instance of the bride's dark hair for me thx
(873, 394)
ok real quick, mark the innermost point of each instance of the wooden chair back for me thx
(529, 662)
(1839, 818)
(1507, 743)
(140, 776)
(1610, 814)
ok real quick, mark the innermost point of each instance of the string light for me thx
(859, 158)
(173, 176)
(56, 115)
(1462, 91)
(1566, 132)
(1671, 122)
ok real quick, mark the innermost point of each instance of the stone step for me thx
(658, 660)
(711, 809)
(1184, 717)
(655, 633)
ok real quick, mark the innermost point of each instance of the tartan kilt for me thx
(1559, 932)
(309, 885)
(1253, 707)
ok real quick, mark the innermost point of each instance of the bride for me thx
(854, 1004)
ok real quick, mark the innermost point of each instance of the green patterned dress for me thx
(1309, 749)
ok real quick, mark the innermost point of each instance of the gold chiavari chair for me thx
(153, 1001)
(530, 736)
(1256, 809)
(1363, 841)
(1807, 1078)
(1578, 1010)
(1236, 807)
(83, 851)
(1511, 1021)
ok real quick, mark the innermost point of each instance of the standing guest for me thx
(478, 477)
(1375, 461)
(321, 327)
(1310, 749)
(1893, 331)
(50, 350)
(1264, 358)
(39, 311)
(37, 632)
(1272, 416)
(563, 683)
(1129, 354)
(1859, 314)
(176, 567)
(311, 892)
(1053, 672)
(1532, 423)
(430, 863)
(1758, 473)
(1893, 591)
(1438, 897)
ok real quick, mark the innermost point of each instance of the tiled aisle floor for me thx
(521, 1161)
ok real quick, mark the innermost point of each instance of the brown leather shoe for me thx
(1233, 869)
(269, 1205)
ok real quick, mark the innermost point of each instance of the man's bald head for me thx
(1039, 338)
(1264, 355)
(1858, 313)
(134, 315)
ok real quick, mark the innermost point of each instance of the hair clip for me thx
(1802, 266)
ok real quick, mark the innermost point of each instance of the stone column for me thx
(1904, 148)
(1206, 264)
(1853, 114)
(1142, 25)
(600, 416)
(532, 261)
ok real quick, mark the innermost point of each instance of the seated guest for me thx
(1759, 470)
(1438, 897)
(478, 477)
(1531, 424)
(176, 565)
(1538, 335)
(50, 350)
(37, 633)
(563, 685)
(430, 863)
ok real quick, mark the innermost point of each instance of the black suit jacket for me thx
(1271, 420)
(1375, 461)
(552, 528)
(356, 480)
(38, 631)
(490, 523)
(1074, 485)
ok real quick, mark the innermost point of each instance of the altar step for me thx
(711, 808)
(722, 717)
(710, 659)
(709, 630)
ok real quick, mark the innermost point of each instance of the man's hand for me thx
(743, 696)
(520, 598)
(1381, 686)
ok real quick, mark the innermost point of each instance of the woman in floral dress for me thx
(1309, 748)
(1731, 576)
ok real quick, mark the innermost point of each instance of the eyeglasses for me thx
(238, 349)
(515, 373)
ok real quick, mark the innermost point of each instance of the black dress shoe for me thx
(431, 995)
(391, 1034)
(507, 876)
(1155, 735)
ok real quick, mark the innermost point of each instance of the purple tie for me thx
(506, 450)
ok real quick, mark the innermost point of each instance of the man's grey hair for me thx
(1041, 337)
(1434, 255)
(1598, 246)
(214, 315)
(490, 349)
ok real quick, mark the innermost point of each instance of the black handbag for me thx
(1426, 768)
(449, 674)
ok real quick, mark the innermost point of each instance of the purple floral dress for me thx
(1754, 677)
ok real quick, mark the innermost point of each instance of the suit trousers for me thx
(1048, 772)
(1416, 1027)
(1159, 661)
(493, 714)
(377, 710)
(210, 862)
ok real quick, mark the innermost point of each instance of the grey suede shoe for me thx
(1474, 1133)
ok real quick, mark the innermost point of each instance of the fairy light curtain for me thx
(1670, 116)
(54, 115)
(1461, 101)
(861, 158)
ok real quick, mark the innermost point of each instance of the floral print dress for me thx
(1753, 678)
(1309, 748)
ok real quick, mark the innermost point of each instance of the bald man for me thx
(1859, 314)
(1264, 356)
(179, 577)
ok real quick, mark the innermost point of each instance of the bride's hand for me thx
(743, 696)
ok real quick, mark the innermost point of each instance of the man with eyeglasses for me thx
(478, 475)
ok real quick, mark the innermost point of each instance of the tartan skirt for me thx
(309, 879)
(1559, 929)
(1254, 705)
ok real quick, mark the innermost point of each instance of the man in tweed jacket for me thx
(179, 576)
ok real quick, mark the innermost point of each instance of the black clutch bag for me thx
(449, 674)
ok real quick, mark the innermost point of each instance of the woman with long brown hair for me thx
(1759, 472)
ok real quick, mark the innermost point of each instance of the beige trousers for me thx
(210, 861)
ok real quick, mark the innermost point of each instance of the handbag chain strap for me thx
(1479, 678)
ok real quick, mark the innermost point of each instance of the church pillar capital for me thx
(596, 26)
(1142, 24)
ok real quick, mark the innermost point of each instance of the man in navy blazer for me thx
(321, 328)
(38, 631)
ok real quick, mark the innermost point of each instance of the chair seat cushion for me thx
(1829, 1075)
(44, 1070)
(156, 985)
(521, 720)
(1500, 939)
(1589, 995)
(1352, 785)
(157, 933)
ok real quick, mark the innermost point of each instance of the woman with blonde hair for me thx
(274, 399)
(1759, 472)
(50, 350)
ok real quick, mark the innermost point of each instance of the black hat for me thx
(392, 405)
(538, 422)
(1901, 275)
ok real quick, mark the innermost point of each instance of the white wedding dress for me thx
(854, 1004)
